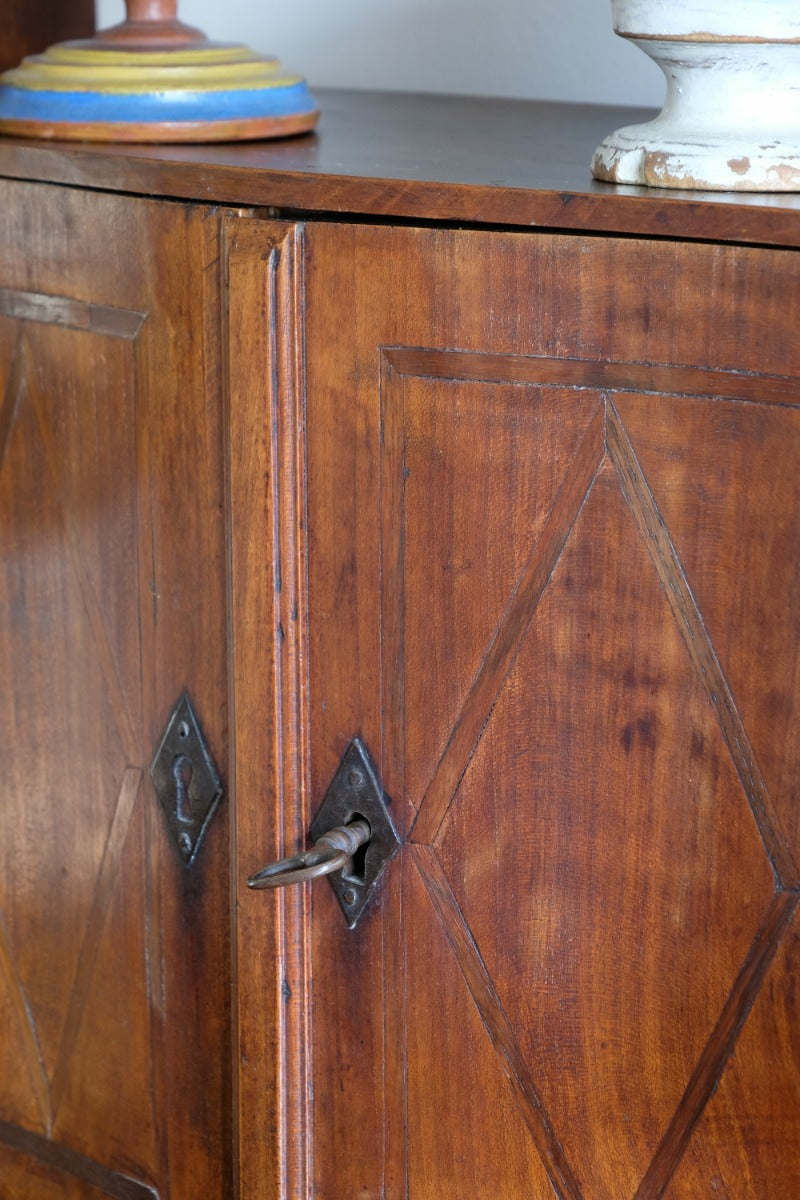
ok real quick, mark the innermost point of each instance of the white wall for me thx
(543, 49)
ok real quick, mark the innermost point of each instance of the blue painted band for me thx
(19, 104)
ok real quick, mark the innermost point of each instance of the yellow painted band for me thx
(37, 74)
(66, 52)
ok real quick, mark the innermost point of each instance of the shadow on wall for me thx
(542, 49)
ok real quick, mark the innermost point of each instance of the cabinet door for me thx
(520, 510)
(114, 978)
(31, 28)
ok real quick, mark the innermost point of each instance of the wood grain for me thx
(598, 871)
(715, 1056)
(556, 826)
(74, 314)
(270, 805)
(423, 158)
(30, 27)
(516, 505)
(744, 1144)
(702, 651)
(430, 434)
(641, 378)
(497, 1024)
(26, 1159)
(106, 883)
(712, 471)
(26, 1032)
(13, 390)
(113, 602)
(509, 635)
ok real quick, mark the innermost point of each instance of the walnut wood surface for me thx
(519, 507)
(269, 768)
(30, 26)
(114, 958)
(551, 585)
(423, 157)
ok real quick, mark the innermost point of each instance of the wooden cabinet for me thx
(114, 958)
(516, 506)
(30, 27)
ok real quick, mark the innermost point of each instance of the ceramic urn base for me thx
(731, 118)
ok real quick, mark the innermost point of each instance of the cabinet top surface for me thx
(401, 156)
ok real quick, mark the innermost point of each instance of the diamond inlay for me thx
(455, 535)
(600, 869)
(72, 731)
(733, 519)
(599, 862)
(451, 1156)
(46, 611)
(746, 1142)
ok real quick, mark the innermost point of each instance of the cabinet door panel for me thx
(113, 1069)
(30, 28)
(543, 536)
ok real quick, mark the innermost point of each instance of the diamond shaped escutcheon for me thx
(186, 780)
(356, 792)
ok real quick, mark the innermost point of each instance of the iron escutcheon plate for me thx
(356, 791)
(186, 780)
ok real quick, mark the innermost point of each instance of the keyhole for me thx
(357, 871)
(182, 772)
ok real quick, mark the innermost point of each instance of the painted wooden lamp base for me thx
(731, 119)
(153, 79)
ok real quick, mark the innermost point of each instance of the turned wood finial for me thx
(150, 25)
(152, 10)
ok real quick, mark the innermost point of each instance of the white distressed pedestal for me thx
(731, 118)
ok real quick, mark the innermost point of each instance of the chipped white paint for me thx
(731, 118)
